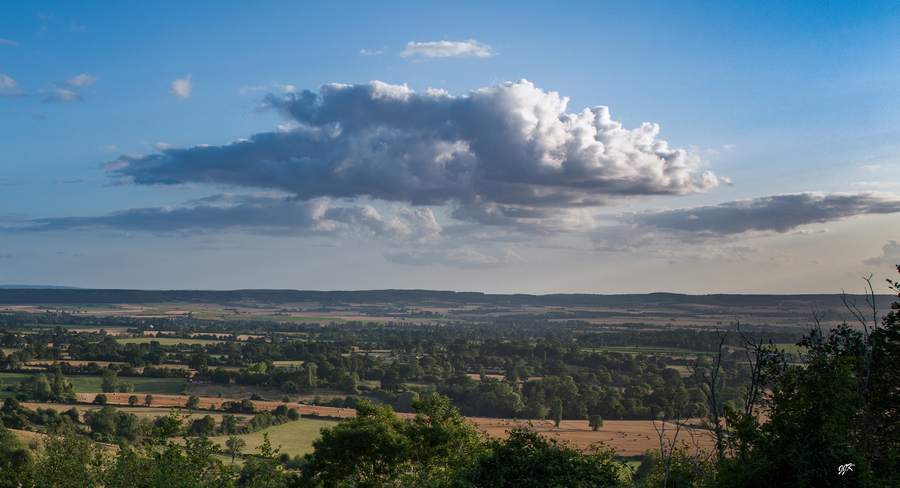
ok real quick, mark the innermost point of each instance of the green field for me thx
(74, 328)
(791, 348)
(293, 437)
(159, 386)
(10, 379)
(166, 341)
(648, 350)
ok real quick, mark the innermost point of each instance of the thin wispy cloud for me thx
(9, 88)
(366, 52)
(285, 88)
(60, 95)
(256, 214)
(7, 82)
(775, 213)
(876, 184)
(181, 88)
(504, 155)
(81, 81)
(446, 49)
(464, 257)
(9, 42)
(82, 180)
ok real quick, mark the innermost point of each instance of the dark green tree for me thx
(193, 402)
(235, 446)
(110, 378)
(527, 459)
(556, 411)
(839, 408)
(16, 462)
(369, 450)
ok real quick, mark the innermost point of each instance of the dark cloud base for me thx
(510, 148)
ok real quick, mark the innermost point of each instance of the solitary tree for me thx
(556, 411)
(595, 421)
(234, 445)
(108, 385)
(193, 402)
(133, 400)
(148, 400)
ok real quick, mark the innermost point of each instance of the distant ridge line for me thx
(38, 287)
(60, 295)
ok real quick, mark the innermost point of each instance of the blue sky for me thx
(457, 146)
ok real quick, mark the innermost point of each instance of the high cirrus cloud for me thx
(497, 155)
(778, 213)
(446, 49)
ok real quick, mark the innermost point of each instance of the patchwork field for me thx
(293, 438)
(166, 386)
(630, 437)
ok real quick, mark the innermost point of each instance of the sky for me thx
(501, 147)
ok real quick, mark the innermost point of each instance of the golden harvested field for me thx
(629, 437)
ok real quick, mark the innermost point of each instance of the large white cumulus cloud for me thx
(495, 154)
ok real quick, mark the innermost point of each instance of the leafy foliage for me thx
(527, 459)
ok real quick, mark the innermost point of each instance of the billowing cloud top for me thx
(502, 153)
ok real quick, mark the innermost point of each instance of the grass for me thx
(295, 438)
(649, 350)
(154, 412)
(10, 379)
(159, 386)
(791, 348)
(166, 341)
